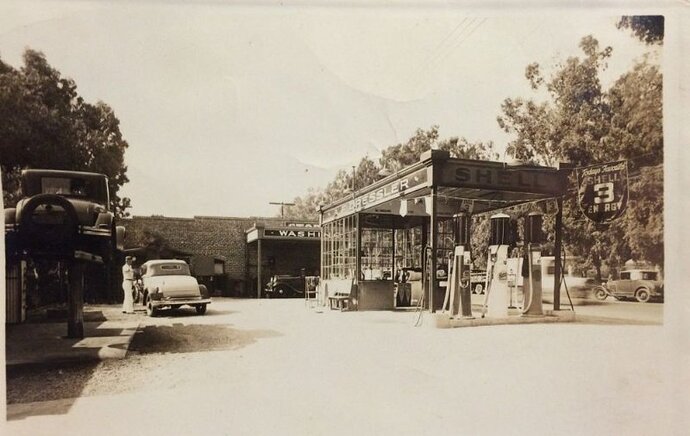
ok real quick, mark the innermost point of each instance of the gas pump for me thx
(534, 237)
(459, 290)
(497, 293)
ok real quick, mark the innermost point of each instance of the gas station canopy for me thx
(365, 232)
(472, 186)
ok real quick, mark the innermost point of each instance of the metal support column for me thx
(433, 235)
(75, 300)
(557, 256)
(258, 268)
(425, 263)
(393, 266)
(358, 249)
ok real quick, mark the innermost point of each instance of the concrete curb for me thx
(47, 348)
(444, 320)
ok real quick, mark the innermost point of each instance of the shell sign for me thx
(603, 191)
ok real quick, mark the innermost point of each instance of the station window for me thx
(445, 242)
(408, 248)
(377, 254)
(338, 249)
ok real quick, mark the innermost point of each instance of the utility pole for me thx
(282, 205)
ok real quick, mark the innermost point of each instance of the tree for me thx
(584, 124)
(393, 158)
(636, 107)
(399, 156)
(643, 223)
(44, 123)
(570, 126)
(648, 28)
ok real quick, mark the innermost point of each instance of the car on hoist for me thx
(60, 213)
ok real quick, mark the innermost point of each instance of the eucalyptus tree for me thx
(583, 123)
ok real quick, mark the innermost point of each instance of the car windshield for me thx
(168, 269)
(648, 275)
(71, 187)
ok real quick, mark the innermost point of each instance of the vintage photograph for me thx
(307, 218)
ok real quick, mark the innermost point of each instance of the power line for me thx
(461, 38)
(439, 49)
(434, 52)
(437, 52)
(441, 54)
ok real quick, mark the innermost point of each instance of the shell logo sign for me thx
(603, 191)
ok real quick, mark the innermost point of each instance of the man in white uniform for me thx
(127, 285)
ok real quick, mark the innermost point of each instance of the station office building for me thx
(223, 251)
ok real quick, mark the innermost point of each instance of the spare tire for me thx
(58, 233)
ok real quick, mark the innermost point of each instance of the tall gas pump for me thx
(531, 270)
(497, 296)
(459, 284)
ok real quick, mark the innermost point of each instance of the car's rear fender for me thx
(10, 216)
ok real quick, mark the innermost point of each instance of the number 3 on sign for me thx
(603, 193)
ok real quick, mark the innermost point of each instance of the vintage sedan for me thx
(61, 212)
(168, 284)
(285, 286)
(640, 284)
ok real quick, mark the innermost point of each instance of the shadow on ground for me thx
(180, 338)
(52, 389)
(41, 383)
(51, 315)
(188, 312)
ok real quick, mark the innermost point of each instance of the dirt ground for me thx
(278, 367)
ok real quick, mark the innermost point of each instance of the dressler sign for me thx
(379, 195)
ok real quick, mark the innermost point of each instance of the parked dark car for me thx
(285, 286)
(641, 284)
(61, 212)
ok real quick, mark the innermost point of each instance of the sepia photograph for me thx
(367, 217)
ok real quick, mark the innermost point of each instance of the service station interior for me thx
(371, 236)
(282, 250)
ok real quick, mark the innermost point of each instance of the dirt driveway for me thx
(277, 367)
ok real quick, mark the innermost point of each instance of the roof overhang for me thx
(284, 233)
(474, 186)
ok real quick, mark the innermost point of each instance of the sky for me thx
(227, 107)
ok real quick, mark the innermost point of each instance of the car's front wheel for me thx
(200, 309)
(281, 291)
(600, 294)
(642, 295)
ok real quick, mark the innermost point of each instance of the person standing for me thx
(127, 285)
